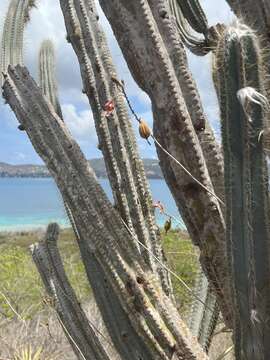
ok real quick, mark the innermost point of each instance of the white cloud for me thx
(80, 123)
(144, 98)
(20, 156)
(74, 96)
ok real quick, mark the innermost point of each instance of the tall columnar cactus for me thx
(180, 126)
(119, 244)
(103, 292)
(13, 32)
(204, 314)
(80, 333)
(47, 74)
(158, 330)
(239, 78)
(256, 14)
(116, 139)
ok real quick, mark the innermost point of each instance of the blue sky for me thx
(47, 22)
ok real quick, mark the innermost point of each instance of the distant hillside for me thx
(6, 170)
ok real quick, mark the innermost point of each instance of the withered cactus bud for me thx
(144, 130)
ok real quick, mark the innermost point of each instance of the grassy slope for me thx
(21, 285)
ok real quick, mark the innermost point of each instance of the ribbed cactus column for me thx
(190, 16)
(47, 76)
(256, 14)
(116, 138)
(13, 32)
(203, 315)
(117, 322)
(81, 334)
(147, 35)
(160, 331)
(194, 14)
(178, 57)
(239, 77)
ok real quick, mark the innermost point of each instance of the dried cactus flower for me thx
(109, 107)
(144, 130)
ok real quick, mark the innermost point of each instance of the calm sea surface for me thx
(33, 203)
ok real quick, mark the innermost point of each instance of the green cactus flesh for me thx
(240, 89)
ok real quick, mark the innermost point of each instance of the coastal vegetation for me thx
(20, 281)
(22, 294)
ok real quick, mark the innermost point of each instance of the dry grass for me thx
(40, 329)
(44, 334)
(220, 343)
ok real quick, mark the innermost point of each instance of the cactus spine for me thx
(239, 80)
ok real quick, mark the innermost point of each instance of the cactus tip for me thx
(238, 30)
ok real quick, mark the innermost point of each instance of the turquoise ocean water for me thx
(28, 203)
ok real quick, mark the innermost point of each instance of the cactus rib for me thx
(194, 14)
(114, 316)
(199, 46)
(203, 315)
